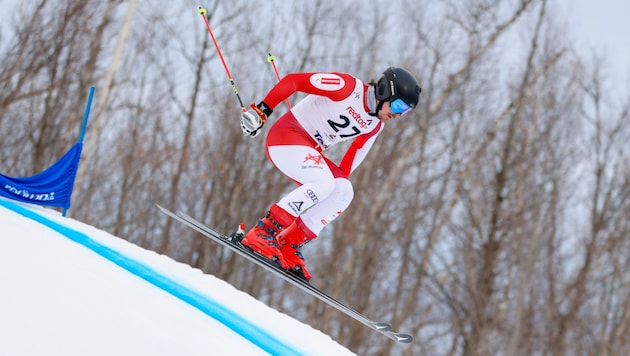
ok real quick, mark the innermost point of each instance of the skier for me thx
(338, 107)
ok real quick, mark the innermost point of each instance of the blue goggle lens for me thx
(399, 107)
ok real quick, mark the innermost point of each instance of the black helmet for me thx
(398, 83)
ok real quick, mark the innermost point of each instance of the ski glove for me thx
(253, 120)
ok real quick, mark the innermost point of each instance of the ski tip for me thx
(241, 228)
(163, 209)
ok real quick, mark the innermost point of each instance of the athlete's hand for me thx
(251, 123)
(253, 120)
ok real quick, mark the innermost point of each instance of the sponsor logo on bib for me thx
(327, 81)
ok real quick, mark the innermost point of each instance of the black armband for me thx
(265, 108)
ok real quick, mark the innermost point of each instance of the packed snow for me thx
(63, 295)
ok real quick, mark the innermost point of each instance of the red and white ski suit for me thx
(335, 110)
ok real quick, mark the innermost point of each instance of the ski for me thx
(381, 327)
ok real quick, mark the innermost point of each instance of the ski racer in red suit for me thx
(338, 107)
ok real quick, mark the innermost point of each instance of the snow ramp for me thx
(71, 289)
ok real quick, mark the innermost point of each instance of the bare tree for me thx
(491, 220)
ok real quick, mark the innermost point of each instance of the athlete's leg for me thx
(306, 166)
(327, 210)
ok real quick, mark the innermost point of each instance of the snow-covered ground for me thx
(67, 288)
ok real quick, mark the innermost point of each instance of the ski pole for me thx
(272, 59)
(202, 12)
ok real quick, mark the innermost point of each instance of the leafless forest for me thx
(493, 220)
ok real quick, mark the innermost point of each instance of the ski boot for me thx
(291, 240)
(262, 237)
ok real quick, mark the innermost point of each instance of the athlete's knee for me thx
(343, 192)
(321, 189)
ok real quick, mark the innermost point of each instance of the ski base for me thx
(234, 245)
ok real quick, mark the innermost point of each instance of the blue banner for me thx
(52, 187)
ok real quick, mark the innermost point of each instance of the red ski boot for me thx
(262, 237)
(291, 240)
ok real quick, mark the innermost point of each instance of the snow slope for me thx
(67, 288)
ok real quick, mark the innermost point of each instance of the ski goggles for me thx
(398, 106)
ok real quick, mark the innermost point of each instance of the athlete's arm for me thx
(358, 150)
(336, 86)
